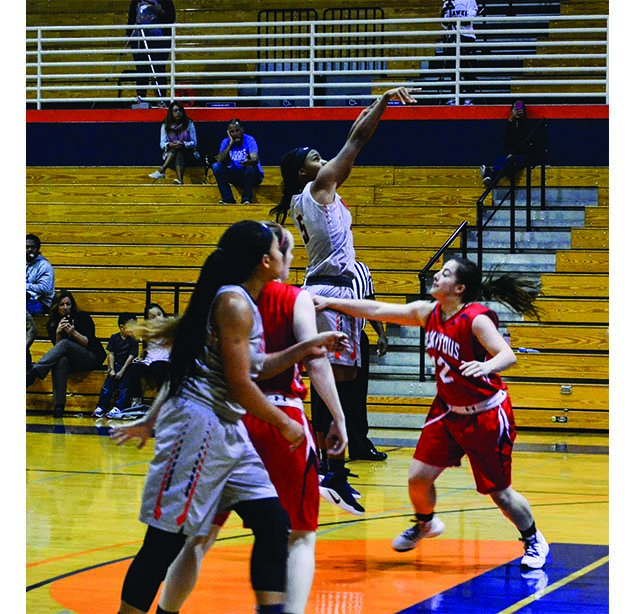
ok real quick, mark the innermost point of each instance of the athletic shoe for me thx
(536, 550)
(468, 102)
(226, 202)
(408, 539)
(371, 454)
(98, 413)
(246, 202)
(335, 489)
(157, 175)
(177, 182)
(114, 414)
(355, 493)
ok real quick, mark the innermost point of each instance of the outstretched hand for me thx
(328, 341)
(139, 429)
(403, 95)
(320, 303)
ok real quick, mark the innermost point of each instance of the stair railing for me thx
(461, 232)
(536, 154)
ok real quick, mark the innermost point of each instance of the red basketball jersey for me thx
(451, 343)
(276, 304)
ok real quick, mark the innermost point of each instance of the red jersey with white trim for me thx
(451, 343)
(276, 305)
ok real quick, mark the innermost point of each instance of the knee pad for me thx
(149, 567)
(271, 527)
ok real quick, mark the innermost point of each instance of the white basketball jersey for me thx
(327, 234)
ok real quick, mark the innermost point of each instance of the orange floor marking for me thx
(352, 577)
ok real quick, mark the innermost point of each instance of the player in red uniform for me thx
(288, 316)
(471, 413)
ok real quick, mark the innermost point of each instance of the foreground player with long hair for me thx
(288, 317)
(203, 459)
(471, 413)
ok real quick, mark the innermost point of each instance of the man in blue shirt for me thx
(238, 164)
(40, 288)
(40, 278)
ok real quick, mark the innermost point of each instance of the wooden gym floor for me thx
(83, 494)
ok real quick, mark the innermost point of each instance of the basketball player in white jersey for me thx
(310, 186)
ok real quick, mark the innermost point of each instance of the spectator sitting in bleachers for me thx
(152, 368)
(515, 136)
(122, 349)
(178, 143)
(40, 288)
(75, 347)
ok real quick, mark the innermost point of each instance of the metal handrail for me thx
(403, 54)
(461, 232)
(481, 224)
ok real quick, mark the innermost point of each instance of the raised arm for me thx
(410, 314)
(336, 171)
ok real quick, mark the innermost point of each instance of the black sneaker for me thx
(335, 489)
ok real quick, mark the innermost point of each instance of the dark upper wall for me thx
(412, 136)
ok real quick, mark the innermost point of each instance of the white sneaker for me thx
(115, 414)
(408, 539)
(98, 413)
(157, 175)
(536, 550)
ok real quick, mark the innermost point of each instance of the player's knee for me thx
(270, 524)
(149, 567)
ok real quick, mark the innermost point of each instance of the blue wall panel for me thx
(572, 142)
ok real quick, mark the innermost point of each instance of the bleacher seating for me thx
(126, 230)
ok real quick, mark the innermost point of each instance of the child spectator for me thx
(152, 367)
(122, 349)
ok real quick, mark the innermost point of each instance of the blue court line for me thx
(59, 428)
(505, 586)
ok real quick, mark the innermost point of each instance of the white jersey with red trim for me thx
(452, 342)
(326, 232)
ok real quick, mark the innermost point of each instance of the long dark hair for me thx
(53, 315)
(518, 293)
(169, 118)
(239, 251)
(292, 162)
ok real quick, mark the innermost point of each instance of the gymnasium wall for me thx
(407, 136)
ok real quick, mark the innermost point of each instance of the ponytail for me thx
(518, 293)
(239, 252)
(292, 162)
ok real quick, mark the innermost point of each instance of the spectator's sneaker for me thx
(335, 489)
(536, 550)
(157, 175)
(114, 414)
(99, 412)
(246, 202)
(408, 539)
(468, 102)
(177, 182)
(226, 202)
